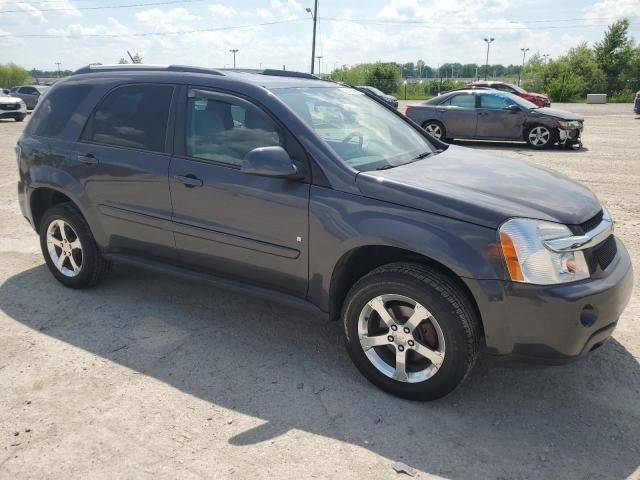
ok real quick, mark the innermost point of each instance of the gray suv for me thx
(316, 194)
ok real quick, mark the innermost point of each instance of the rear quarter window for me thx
(56, 108)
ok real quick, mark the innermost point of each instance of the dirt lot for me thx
(154, 377)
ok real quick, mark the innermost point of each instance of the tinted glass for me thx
(464, 101)
(363, 133)
(56, 109)
(29, 90)
(224, 131)
(134, 116)
(494, 101)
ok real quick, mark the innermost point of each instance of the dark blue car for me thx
(636, 105)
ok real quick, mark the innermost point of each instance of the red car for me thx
(537, 98)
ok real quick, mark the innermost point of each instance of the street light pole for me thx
(234, 51)
(319, 57)
(314, 17)
(486, 66)
(58, 64)
(524, 52)
(546, 57)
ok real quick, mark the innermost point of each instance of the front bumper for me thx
(20, 112)
(553, 324)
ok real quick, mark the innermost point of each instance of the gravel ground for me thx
(154, 377)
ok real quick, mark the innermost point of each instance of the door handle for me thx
(443, 110)
(189, 180)
(87, 159)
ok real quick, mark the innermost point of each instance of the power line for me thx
(458, 26)
(147, 34)
(103, 7)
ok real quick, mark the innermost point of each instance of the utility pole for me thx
(546, 57)
(234, 51)
(58, 64)
(486, 67)
(524, 52)
(319, 57)
(314, 17)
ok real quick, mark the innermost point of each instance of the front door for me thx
(242, 226)
(497, 118)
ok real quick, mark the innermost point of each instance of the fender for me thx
(340, 222)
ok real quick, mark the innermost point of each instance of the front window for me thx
(503, 100)
(360, 131)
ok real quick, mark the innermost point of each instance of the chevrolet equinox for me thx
(314, 193)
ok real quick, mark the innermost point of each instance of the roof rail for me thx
(272, 72)
(92, 68)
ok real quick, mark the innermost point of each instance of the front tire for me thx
(411, 331)
(69, 249)
(540, 136)
(19, 119)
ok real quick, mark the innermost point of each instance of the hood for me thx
(554, 112)
(538, 95)
(481, 188)
(10, 100)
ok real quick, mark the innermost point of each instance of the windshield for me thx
(363, 133)
(518, 89)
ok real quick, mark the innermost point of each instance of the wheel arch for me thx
(359, 261)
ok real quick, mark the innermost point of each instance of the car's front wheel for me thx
(411, 331)
(69, 248)
(540, 136)
(19, 119)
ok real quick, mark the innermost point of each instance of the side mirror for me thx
(269, 162)
(513, 108)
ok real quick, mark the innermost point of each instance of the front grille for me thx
(591, 223)
(601, 255)
(9, 106)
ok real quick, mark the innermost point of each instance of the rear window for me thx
(56, 108)
(133, 116)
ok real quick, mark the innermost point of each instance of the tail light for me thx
(407, 111)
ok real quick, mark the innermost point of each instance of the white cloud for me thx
(605, 11)
(265, 13)
(280, 10)
(32, 11)
(172, 20)
(222, 10)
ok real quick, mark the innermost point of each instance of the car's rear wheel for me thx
(540, 136)
(411, 331)
(69, 248)
(435, 129)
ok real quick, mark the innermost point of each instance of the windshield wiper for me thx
(414, 159)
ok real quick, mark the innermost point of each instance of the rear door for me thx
(123, 153)
(226, 222)
(459, 116)
(496, 119)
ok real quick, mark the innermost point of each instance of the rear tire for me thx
(430, 339)
(435, 129)
(69, 249)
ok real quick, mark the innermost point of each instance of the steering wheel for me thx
(352, 135)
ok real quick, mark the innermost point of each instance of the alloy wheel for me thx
(65, 248)
(434, 130)
(401, 338)
(539, 136)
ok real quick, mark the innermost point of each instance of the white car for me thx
(12, 107)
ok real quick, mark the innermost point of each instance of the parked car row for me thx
(537, 98)
(495, 115)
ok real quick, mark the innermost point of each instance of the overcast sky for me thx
(278, 32)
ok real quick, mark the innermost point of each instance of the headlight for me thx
(529, 261)
(569, 125)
